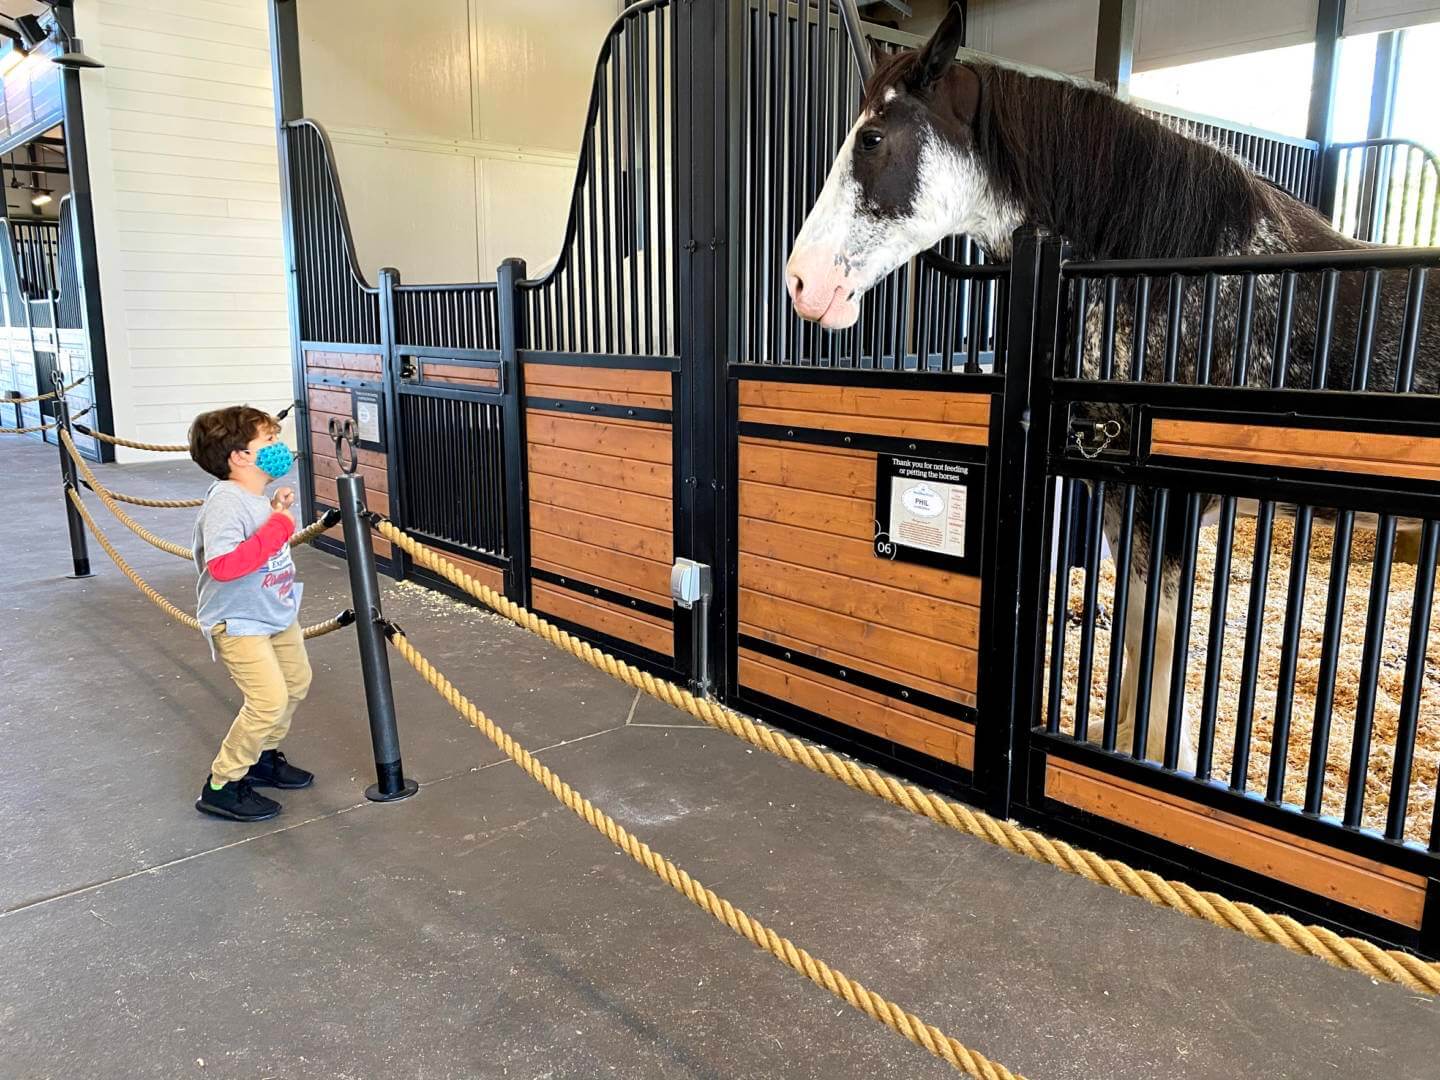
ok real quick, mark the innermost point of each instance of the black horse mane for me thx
(1114, 181)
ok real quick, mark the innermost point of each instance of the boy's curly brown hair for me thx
(216, 434)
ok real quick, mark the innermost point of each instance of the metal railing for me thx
(335, 302)
(1386, 191)
(614, 288)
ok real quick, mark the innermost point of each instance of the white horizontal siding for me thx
(188, 209)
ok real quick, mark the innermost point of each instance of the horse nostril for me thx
(797, 286)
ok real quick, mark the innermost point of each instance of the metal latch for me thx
(1094, 437)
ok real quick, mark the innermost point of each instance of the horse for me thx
(943, 146)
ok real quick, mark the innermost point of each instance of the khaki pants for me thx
(274, 675)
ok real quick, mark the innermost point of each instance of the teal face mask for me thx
(274, 460)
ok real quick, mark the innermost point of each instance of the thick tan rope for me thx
(116, 440)
(26, 430)
(160, 504)
(178, 550)
(304, 536)
(322, 524)
(943, 1046)
(43, 397)
(43, 427)
(1352, 953)
(318, 630)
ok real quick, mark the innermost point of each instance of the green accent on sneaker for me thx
(214, 786)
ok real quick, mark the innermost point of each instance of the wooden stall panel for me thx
(605, 386)
(811, 585)
(343, 365)
(1380, 454)
(326, 402)
(636, 627)
(1350, 879)
(463, 376)
(931, 733)
(912, 414)
(601, 501)
(810, 581)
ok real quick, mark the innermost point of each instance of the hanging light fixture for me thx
(40, 197)
(33, 32)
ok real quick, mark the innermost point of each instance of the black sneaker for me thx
(237, 801)
(272, 770)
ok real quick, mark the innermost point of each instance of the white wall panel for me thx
(1060, 34)
(524, 205)
(466, 97)
(180, 127)
(411, 209)
(535, 60)
(1372, 16)
(404, 68)
(1171, 32)
(1056, 34)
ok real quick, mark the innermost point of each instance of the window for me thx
(1415, 116)
(1269, 90)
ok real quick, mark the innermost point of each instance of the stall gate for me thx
(42, 329)
(884, 511)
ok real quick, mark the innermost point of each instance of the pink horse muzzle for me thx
(821, 289)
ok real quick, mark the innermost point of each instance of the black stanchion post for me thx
(79, 549)
(390, 779)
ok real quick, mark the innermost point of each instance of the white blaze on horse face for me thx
(821, 272)
(847, 246)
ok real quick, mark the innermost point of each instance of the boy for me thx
(249, 605)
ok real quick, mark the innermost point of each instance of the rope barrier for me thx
(42, 427)
(1351, 953)
(26, 430)
(51, 396)
(345, 618)
(873, 1005)
(323, 523)
(161, 504)
(327, 521)
(167, 546)
(116, 440)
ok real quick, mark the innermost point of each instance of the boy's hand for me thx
(282, 500)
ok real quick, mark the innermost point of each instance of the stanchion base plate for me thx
(374, 794)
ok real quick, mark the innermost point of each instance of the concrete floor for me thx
(480, 930)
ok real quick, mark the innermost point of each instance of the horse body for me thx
(942, 147)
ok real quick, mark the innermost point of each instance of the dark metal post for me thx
(1013, 635)
(706, 33)
(1385, 83)
(859, 48)
(79, 549)
(517, 508)
(1329, 24)
(77, 163)
(1115, 45)
(394, 439)
(285, 79)
(374, 663)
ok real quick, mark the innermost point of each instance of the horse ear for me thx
(878, 54)
(939, 52)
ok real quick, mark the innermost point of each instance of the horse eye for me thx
(869, 140)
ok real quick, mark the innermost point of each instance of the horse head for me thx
(906, 177)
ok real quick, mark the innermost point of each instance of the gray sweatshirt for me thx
(266, 599)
